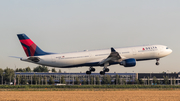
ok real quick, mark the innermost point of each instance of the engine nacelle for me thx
(128, 62)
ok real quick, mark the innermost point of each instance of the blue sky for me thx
(75, 25)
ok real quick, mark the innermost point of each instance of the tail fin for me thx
(30, 48)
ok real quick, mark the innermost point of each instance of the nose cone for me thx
(168, 51)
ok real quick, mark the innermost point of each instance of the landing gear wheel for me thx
(88, 72)
(92, 69)
(106, 70)
(102, 72)
(157, 63)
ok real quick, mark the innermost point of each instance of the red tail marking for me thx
(32, 49)
(27, 42)
(26, 51)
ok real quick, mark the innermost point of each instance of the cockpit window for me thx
(167, 48)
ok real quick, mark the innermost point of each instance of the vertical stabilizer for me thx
(30, 48)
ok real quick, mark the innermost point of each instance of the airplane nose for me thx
(169, 51)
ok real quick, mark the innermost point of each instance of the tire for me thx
(106, 70)
(157, 63)
(93, 69)
(102, 72)
(88, 72)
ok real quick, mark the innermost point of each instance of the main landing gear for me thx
(157, 63)
(105, 69)
(91, 69)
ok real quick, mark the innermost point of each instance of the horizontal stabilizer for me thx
(15, 57)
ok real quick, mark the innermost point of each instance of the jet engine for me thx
(128, 62)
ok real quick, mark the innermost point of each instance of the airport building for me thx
(70, 78)
(171, 78)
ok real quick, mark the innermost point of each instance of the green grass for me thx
(89, 86)
(86, 87)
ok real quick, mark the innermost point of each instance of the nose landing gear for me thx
(157, 63)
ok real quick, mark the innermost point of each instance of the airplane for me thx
(126, 57)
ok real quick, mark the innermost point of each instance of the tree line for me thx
(37, 69)
(8, 75)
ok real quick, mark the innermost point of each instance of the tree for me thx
(136, 81)
(158, 82)
(28, 69)
(77, 81)
(84, 81)
(166, 80)
(174, 81)
(154, 80)
(97, 80)
(59, 71)
(45, 80)
(18, 79)
(141, 81)
(91, 80)
(39, 78)
(116, 81)
(34, 79)
(54, 70)
(24, 70)
(51, 80)
(106, 79)
(123, 81)
(9, 74)
(23, 80)
(17, 70)
(1, 76)
(20, 70)
(63, 80)
(148, 80)
(41, 69)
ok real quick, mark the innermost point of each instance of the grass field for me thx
(124, 95)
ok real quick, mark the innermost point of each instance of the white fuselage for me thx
(93, 58)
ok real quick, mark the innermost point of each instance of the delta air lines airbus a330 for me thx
(126, 57)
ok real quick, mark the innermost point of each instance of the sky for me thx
(74, 25)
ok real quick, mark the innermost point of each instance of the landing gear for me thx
(157, 63)
(105, 69)
(88, 72)
(102, 72)
(91, 69)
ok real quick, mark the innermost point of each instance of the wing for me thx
(113, 57)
